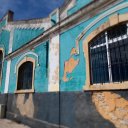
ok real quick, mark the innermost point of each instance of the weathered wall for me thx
(68, 69)
(72, 110)
(23, 36)
(41, 72)
(113, 106)
(3, 99)
(69, 109)
(4, 44)
(79, 4)
(72, 65)
(68, 6)
(53, 84)
(37, 110)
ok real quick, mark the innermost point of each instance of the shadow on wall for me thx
(36, 110)
(20, 106)
(76, 110)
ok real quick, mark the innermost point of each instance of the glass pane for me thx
(99, 65)
(117, 31)
(119, 60)
(98, 40)
(25, 76)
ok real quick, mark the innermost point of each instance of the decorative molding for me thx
(53, 67)
(7, 76)
(56, 11)
(25, 55)
(11, 40)
(107, 13)
(17, 69)
(1, 73)
(111, 86)
(66, 24)
(30, 24)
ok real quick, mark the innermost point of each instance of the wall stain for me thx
(113, 107)
(25, 105)
(70, 65)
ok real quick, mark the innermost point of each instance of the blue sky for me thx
(28, 9)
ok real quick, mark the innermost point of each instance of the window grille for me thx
(25, 74)
(109, 56)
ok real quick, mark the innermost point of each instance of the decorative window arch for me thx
(1, 63)
(106, 54)
(25, 75)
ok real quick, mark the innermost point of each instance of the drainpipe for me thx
(59, 76)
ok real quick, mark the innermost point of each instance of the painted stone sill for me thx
(24, 91)
(107, 86)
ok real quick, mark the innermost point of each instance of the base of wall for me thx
(33, 123)
(68, 109)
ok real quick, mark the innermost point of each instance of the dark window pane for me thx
(25, 74)
(118, 51)
(99, 65)
(117, 31)
(119, 60)
(98, 40)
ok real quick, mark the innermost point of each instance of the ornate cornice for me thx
(80, 16)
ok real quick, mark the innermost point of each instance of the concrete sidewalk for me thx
(4, 123)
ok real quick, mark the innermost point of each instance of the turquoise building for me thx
(67, 70)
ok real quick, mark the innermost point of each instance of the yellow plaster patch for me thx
(54, 88)
(69, 66)
(123, 17)
(114, 19)
(112, 107)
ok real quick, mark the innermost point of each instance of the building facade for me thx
(69, 69)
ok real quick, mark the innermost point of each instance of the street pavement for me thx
(4, 123)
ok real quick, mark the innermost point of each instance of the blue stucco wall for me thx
(4, 43)
(4, 40)
(23, 36)
(67, 42)
(2, 23)
(41, 77)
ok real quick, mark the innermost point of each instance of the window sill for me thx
(24, 91)
(107, 86)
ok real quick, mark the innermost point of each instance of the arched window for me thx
(108, 54)
(1, 63)
(25, 76)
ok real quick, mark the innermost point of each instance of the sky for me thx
(29, 9)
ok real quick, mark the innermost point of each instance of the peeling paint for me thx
(69, 66)
(73, 51)
(54, 64)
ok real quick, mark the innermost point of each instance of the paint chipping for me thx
(73, 52)
(69, 66)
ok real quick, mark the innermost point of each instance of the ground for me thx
(4, 123)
